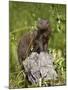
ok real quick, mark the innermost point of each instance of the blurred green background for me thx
(23, 17)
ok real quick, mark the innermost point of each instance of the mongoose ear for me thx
(39, 20)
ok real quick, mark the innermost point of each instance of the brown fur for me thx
(38, 39)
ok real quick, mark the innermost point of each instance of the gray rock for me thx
(39, 66)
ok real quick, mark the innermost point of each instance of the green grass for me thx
(23, 17)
